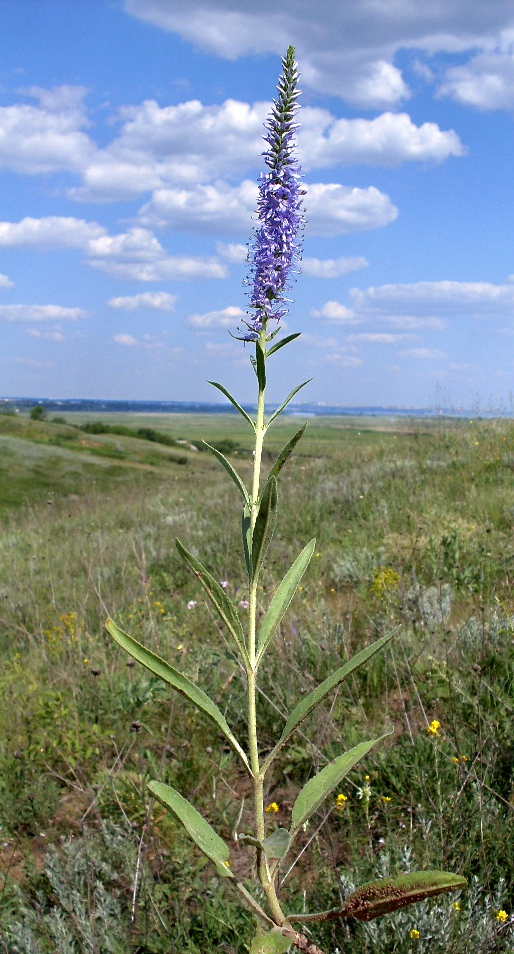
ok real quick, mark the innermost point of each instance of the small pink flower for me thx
(224, 584)
(244, 604)
(191, 604)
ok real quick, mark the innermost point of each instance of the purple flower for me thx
(276, 246)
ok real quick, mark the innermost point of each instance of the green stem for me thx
(258, 778)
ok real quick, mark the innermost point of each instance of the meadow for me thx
(414, 523)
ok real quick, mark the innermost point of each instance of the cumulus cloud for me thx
(150, 301)
(332, 267)
(334, 311)
(424, 354)
(128, 341)
(388, 140)
(433, 299)
(377, 337)
(486, 81)
(51, 231)
(223, 318)
(335, 209)
(232, 252)
(49, 334)
(350, 51)
(6, 282)
(40, 313)
(46, 137)
(137, 255)
(214, 207)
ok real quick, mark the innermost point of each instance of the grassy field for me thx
(414, 523)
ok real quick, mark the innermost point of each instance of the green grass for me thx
(414, 524)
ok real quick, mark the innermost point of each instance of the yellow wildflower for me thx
(414, 934)
(501, 916)
(434, 727)
(455, 906)
(272, 807)
(340, 802)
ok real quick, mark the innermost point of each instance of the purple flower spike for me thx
(276, 250)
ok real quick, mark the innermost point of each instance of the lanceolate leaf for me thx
(317, 788)
(230, 470)
(260, 366)
(307, 704)
(233, 401)
(283, 597)
(280, 344)
(179, 682)
(286, 402)
(196, 826)
(246, 532)
(381, 897)
(264, 524)
(286, 452)
(217, 596)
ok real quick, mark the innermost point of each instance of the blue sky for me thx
(130, 140)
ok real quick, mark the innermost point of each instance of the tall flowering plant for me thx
(273, 259)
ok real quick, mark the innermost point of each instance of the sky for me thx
(130, 146)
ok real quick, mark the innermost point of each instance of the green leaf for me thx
(230, 471)
(179, 682)
(317, 788)
(381, 897)
(264, 525)
(283, 597)
(260, 366)
(273, 942)
(233, 401)
(286, 452)
(280, 344)
(286, 402)
(218, 598)
(307, 704)
(246, 532)
(196, 826)
(277, 844)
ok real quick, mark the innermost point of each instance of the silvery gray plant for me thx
(273, 259)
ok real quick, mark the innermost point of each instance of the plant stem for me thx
(258, 778)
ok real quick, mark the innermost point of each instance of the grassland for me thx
(414, 524)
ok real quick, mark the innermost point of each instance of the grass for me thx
(414, 525)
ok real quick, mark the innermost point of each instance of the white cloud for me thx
(350, 49)
(334, 311)
(45, 138)
(233, 253)
(486, 81)
(224, 318)
(430, 299)
(168, 268)
(6, 282)
(408, 323)
(126, 340)
(214, 207)
(40, 313)
(388, 140)
(377, 337)
(334, 209)
(151, 301)
(50, 334)
(52, 231)
(137, 255)
(332, 267)
(425, 354)
(344, 360)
